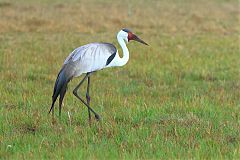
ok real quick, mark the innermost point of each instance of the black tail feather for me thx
(60, 87)
(51, 107)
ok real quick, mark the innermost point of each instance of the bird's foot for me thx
(97, 117)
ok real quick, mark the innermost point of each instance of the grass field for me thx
(179, 98)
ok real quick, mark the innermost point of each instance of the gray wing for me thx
(91, 57)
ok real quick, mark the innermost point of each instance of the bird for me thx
(88, 59)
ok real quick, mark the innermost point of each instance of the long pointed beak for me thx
(136, 38)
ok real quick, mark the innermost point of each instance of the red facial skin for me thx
(130, 36)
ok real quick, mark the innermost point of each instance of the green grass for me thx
(179, 98)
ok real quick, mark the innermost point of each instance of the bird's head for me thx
(127, 35)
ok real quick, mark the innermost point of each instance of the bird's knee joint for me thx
(75, 92)
(88, 97)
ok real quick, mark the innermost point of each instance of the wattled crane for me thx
(88, 59)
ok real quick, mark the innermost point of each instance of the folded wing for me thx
(91, 57)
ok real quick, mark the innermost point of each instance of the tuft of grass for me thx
(176, 99)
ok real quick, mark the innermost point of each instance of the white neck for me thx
(122, 61)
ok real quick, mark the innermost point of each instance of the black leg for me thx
(75, 93)
(88, 99)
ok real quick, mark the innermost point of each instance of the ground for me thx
(178, 98)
